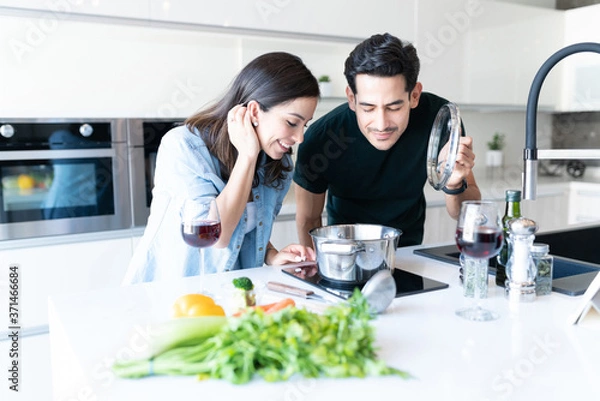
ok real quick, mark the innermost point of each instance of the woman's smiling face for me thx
(283, 125)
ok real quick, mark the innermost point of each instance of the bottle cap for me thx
(512, 195)
(538, 247)
(522, 226)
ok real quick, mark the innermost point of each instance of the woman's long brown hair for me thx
(271, 79)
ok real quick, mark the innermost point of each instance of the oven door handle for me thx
(56, 154)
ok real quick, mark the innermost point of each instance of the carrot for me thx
(268, 308)
(261, 307)
(284, 303)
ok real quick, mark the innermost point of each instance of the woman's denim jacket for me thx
(185, 169)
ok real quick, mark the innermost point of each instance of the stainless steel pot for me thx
(352, 253)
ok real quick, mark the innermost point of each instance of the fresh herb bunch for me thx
(339, 343)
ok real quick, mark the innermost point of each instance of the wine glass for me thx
(200, 226)
(478, 237)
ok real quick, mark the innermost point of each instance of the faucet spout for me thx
(530, 153)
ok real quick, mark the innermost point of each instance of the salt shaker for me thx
(521, 270)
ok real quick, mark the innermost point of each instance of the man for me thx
(369, 155)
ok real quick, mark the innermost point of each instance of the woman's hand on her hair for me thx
(241, 132)
(292, 253)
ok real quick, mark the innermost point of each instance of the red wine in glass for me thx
(201, 234)
(485, 243)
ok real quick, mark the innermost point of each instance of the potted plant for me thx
(325, 86)
(494, 156)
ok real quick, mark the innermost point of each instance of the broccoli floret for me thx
(243, 283)
(244, 291)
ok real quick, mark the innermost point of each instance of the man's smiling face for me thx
(382, 106)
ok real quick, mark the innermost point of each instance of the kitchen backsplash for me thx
(482, 125)
(577, 131)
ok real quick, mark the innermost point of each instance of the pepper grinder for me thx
(520, 269)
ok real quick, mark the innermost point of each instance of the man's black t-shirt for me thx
(366, 185)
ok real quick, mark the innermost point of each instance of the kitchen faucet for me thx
(531, 154)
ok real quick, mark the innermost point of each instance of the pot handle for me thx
(336, 248)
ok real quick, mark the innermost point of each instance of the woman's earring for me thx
(255, 123)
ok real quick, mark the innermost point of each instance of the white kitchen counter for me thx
(530, 353)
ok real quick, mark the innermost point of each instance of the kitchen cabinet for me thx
(439, 226)
(442, 45)
(580, 84)
(131, 70)
(508, 45)
(486, 52)
(549, 211)
(284, 231)
(62, 9)
(27, 4)
(338, 19)
(584, 198)
(472, 52)
(62, 268)
(341, 19)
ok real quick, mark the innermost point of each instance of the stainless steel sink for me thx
(576, 257)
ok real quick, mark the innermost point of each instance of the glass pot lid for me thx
(443, 145)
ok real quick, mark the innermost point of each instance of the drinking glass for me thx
(200, 225)
(478, 237)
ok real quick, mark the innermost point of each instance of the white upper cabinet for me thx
(83, 69)
(339, 18)
(28, 4)
(508, 45)
(580, 83)
(442, 45)
(60, 9)
(486, 52)
(473, 52)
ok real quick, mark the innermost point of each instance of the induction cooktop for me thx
(406, 283)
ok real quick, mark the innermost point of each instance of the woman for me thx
(237, 150)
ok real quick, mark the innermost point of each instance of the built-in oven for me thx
(63, 177)
(143, 139)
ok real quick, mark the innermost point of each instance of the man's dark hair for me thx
(383, 56)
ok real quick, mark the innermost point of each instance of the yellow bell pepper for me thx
(191, 305)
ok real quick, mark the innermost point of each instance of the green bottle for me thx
(512, 211)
